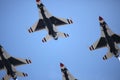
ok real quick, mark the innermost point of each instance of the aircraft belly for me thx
(50, 28)
(66, 76)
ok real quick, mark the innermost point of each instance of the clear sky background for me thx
(16, 16)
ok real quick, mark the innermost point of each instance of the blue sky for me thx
(16, 16)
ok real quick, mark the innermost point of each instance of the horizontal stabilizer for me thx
(108, 55)
(7, 77)
(21, 74)
(45, 39)
(64, 35)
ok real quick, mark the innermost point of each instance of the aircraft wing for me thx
(116, 38)
(18, 61)
(60, 21)
(39, 25)
(99, 44)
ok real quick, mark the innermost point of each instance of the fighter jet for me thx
(9, 63)
(65, 73)
(50, 23)
(108, 39)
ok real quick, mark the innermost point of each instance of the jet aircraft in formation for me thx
(50, 23)
(66, 75)
(9, 63)
(108, 39)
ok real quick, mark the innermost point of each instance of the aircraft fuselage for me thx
(65, 73)
(109, 39)
(47, 22)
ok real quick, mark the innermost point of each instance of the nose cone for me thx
(61, 64)
(37, 0)
(100, 18)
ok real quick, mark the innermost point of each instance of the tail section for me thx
(45, 39)
(59, 34)
(107, 56)
(64, 35)
(7, 77)
(21, 74)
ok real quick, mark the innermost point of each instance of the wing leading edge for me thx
(99, 44)
(39, 25)
(60, 21)
(18, 61)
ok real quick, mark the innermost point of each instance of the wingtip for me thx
(91, 48)
(28, 61)
(30, 30)
(70, 21)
